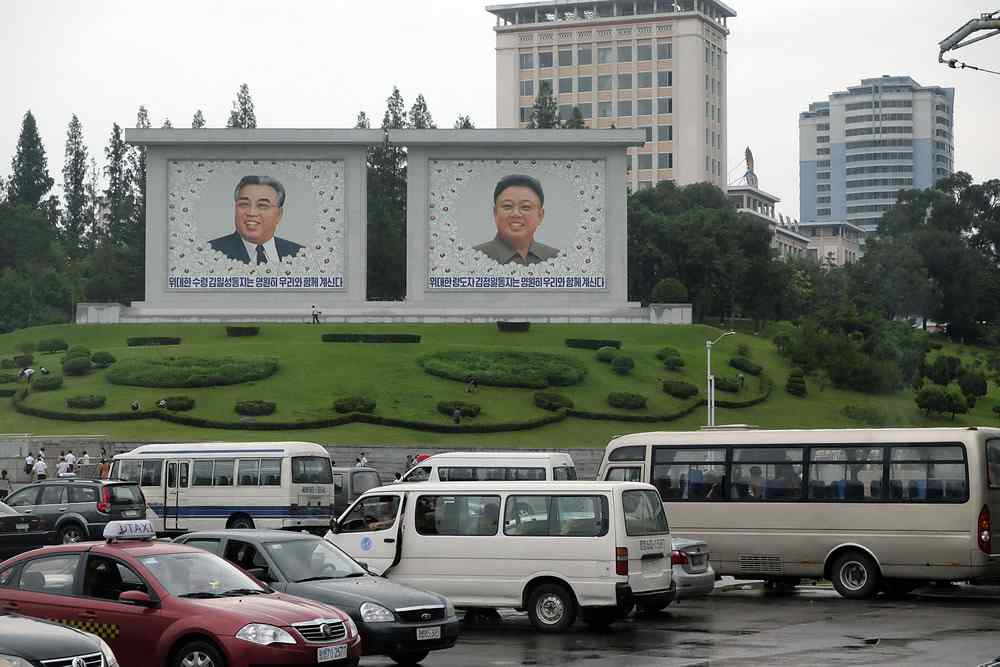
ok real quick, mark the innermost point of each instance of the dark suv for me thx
(80, 508)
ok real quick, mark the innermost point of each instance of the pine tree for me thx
(137, 159)
(119, 195)
(362, 123)
(387, 207)
(167, 125)
(420, 115)
(29, 181)
(242, 114)
(545, 112)
(576, 122)
(198, 120)
(94, 199)
(75, 188)
(464, 123)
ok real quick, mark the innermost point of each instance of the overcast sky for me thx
(316, 63)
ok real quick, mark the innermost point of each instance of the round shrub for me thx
(354, 404)
(622, 365)
(669, 290)
(665, 353)
(76, 366)
(680, 389)
(626, 401)
(190, 371)
(86, 402)
(245, 330)
(77, 351)
(551, 401)
(176, 403)
(46, 382)
(606, 354)
(732, 385)
(745, 365)
(103, 359)
(52, 345)
(23, 360)
(535, 370)
(796, 384)
(513, 327)
(673, 364)
(255, 408)
(466, 409)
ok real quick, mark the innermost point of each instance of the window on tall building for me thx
(822, 151)
(586, 110)
(665, 133)
(604, 109)
(624, 53)
(566, 85)
(605, 55)
(822, 212)
(527, 61)
(664, 49)
(624, 107)
(644, 52)
(706, 83)
(823, 187)
(648, 132)
(644, 108)
(707, 112)
(823, 176)
(664, 105)
(525, 114)
(585, 84)
(823, 139)
(565, 58)
(644, 80)
(585, 55)
(528, 88)
(665, 79)
(823, 200)
(625, 81)
(604, 82)
(645, 160)
(665, 161)
(545, 86)
(565, 112)
(645, 185)
(545, 59)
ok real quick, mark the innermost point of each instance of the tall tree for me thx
(198, 120)
(387, 207)
(420, 115)
(137, 159)
(167, 125)
(94, 200)
(576, 122)
(362, 122)
(242, 114)
(464, 122)
(29, 181)
(545, 111)
(119, 195)
(74, 220)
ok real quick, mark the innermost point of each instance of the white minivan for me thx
(510, 466)
(554, 549)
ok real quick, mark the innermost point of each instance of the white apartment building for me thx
(785, 237)
(657, 65)
(837, 242)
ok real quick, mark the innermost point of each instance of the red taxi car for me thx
(169, 605)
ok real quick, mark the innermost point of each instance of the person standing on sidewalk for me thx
(29, 466)
(40, 469)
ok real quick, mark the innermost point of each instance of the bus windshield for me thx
(311, 470)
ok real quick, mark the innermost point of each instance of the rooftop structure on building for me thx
(834, 241)
(657, 65)
(861, 146)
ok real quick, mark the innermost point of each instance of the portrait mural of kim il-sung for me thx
(515, 224)
(261, 224)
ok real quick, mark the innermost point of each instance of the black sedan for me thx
(21, 532)
(26, 642)
(401, 622)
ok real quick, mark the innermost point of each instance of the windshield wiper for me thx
(355, 574)
(308, 579)
(243, 591)
(199, 594)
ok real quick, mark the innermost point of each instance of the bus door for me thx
(175, 489)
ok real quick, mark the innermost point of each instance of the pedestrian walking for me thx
(396, 478)
(29, 465)
(364, 459)
(86, 459)
(40, 469)
(28, 373)
(315, 315)
(62, 469)
(357, 462)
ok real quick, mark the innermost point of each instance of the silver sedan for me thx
(691, 568)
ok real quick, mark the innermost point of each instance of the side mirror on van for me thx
(334, 526)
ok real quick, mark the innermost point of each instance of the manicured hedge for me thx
(796, 384)
(191, 371)
(679, 389)
(7, 393)
(86, 402)
(551, 401)
(77, 351)
(466, 409)
(606, 354)
(673, 364)
(665, 353)
(622, 365)
(176, 403)
(237, 331)
(370, 338)
(76, 365)
(535, 370)
(626, 401)
(256, 408)
(354, 404)
(103, 359)
(592, 343)
(8, 377)
(142, 341)
(648, 419)
(52, 345)
(731, 385)
(513, 327)
(7, 363)
(46, 382)
(23, 360)
(745, 365)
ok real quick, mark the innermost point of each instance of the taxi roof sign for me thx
(129, 530)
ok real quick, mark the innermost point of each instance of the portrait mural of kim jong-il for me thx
(518, 211)
(260, 201)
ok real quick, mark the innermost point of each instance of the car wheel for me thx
(551, 608)
(600, 618)
(855, 575)
(72, 533)
(240, 521)
(198, 654)
(410, 658)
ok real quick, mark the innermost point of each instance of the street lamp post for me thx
(710, 378)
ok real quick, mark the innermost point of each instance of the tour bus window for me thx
(248, 473)
(644, 513)
(526, 474)
(372, 513)
(270, 472)
(202, 473)
(993, 463)
(845, 473)
(491, 474)
(365, 480)
(556, 516)
(928, 474)
(771, 473)
(624, 474)
(564, 473)
(457, 515)
(152, 471)
(457, 474)
(421, 474)
(128, 471)
(689, 474)
(628, 454)
(311, 470)
(223, 475)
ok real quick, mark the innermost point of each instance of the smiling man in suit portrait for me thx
(518, 211)
(260, 202)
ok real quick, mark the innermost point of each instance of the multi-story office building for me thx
(785, 237)
(657, 65)
(839, 243)
(861, 146)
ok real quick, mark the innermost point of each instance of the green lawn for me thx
(313, 374)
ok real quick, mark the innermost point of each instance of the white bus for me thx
(870, 509)
(511, 466)
(208, 485)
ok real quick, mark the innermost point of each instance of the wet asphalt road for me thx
(751, 627)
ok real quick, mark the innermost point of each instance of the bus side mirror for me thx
(334, 526)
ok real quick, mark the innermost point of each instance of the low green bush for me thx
(513, 327)
(7, 363)
(86, 402)
(796, 384)
(52, 345)
(551, 401)
(626, 401)
(103, 359)
(869, 415)
(191, 371)
(176, 403)
(255, 408)
(536, 370)
(743, 350)
(679, 389)
(996, 410)
(622, 364)
(8, 377)
(46, 382)
(354, 404)
(673, 364)
(77, 351)
(23, 360)
(728, 384)
(142, 341)
(745, 365)
(369, 338)
(76, 366)
(7, 393)
(25, 347)
(665, 353)
(466, 409)
(592, 343)
(606, 354)
(245, 330)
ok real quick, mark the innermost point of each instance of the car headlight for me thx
(376, 613)
(109, 656)
(13, 661)
(262, 633)
(449, 608)
(352, 629)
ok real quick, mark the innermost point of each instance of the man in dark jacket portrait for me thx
(260, 202)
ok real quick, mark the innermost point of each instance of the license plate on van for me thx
(429, 633)
(328, 653)
(131, 513)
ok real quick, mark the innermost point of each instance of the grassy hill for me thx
(313, 374)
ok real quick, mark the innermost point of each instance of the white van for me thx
(512, 466)
(553, 549)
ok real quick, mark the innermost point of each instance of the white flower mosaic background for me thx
(200, 196)
(459, 218)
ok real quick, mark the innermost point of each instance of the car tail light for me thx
(678, 558)
(621, 561)
(105, 505)
(984, 528)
